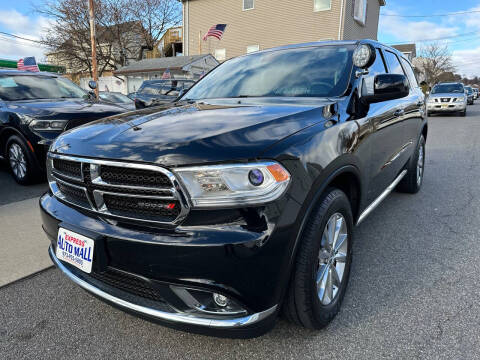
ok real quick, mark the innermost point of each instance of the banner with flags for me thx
(215, 31)
(28, 64)
(167, 74)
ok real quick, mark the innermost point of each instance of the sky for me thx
(19, 17)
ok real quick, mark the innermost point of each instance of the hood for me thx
(446, 95)
(63, 109)
(213, 131)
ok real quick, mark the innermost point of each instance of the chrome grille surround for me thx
(95, 188)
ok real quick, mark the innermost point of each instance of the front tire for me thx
(21, 161)
(412, 182)
(322, 266)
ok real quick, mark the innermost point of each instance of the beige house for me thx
(254, 25)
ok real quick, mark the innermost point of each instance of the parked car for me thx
(117, 99)
(470, 95)
(34, 109)
(157, 92)
(447, 98)
(216, 212)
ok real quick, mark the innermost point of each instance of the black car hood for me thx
(63, 109)
(216, 131)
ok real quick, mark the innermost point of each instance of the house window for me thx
(252, 48)
(220, 54)
(322, 5)
(248, 4)
(360, 11)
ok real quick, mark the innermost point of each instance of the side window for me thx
(220, 54)
(360, 11)
(410, 73)
(393, 63)
(248, 4)
(322, 5)
(378, 67)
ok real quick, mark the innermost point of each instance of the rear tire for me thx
(322, 266)
(412, 182)
(21, 161)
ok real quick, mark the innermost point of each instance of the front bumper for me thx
(250, 266)
(181, 318)
(450, 107)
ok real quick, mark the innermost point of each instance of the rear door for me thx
(414, 110)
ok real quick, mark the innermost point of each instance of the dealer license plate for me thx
(75, 249)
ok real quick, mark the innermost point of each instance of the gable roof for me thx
(160, 64)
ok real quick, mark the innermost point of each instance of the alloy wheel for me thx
(332, 258)
(18, 161)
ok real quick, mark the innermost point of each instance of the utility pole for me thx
(94, 47)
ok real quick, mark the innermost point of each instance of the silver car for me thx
(447, 98)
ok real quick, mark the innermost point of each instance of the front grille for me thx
(132, 192)
(68, 168)
(129, 283)
(444, 100)
(148, 208)
(73, 194)
(136, 177)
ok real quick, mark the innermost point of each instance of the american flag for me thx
(167, 74)
(28, 64)
(215, 31)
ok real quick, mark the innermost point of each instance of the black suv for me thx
(34, 109)
(240, 200)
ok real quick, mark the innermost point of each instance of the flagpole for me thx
(94, 48)
(200, 42)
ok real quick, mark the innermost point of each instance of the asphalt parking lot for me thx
(414, 290)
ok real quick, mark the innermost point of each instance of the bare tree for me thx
(125, 29)
(436, 60)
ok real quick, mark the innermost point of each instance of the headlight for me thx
(235, 184)
(461, 100)
(48, 125)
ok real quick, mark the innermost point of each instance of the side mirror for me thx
(92, 84)
(388, 87)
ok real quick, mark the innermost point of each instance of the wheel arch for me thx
(5, 134)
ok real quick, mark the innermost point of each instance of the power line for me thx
(436, 39)
(433, 15)
(20, 37)
(12, 41)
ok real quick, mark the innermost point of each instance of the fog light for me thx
(220, 300)
(256, 177)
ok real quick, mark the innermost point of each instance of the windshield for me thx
(322, 71)
(167, 88)
(448, 88)
(115, 97)
(32, 87)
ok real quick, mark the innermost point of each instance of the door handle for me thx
(399, 112)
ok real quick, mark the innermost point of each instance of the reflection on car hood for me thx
(65, 109)
(213, 131)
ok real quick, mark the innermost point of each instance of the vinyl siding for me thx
(352, 30)
(271, 23)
